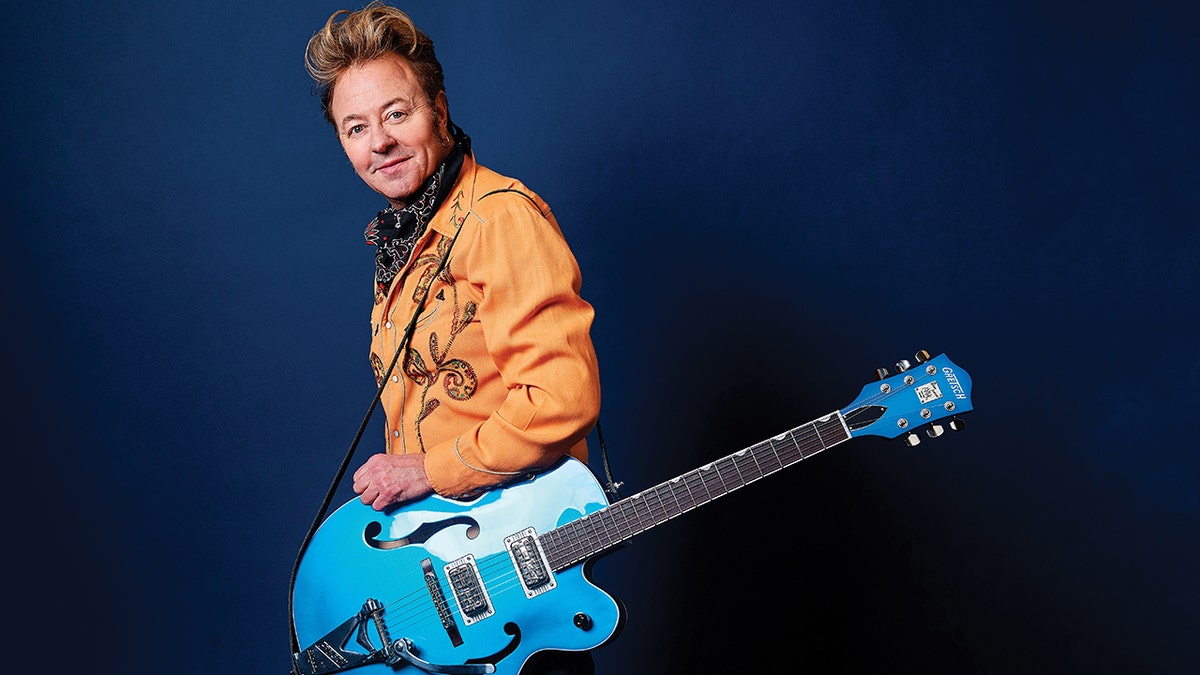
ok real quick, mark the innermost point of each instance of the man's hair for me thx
(353, 38)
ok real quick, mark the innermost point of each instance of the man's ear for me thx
(443, 113)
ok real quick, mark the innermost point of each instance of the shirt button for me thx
(395, 378)
(395, 433)
(388, 325)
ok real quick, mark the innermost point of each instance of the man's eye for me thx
(396, 115)
(355, 130)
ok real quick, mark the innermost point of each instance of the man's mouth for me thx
(391, 166)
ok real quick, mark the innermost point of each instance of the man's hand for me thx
(384, 480)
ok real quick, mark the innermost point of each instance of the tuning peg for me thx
(957, 424)
(921, 356)
(912, 440)
(902, 365)
(934, 430)
(881, 373)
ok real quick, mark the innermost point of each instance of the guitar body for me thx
(359, 554)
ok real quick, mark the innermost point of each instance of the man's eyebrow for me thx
(385, 106)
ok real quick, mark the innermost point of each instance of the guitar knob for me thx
(957, 424)
(921, 356)
(902, 365)
(881, 373)
(912, 440)
(934, 431)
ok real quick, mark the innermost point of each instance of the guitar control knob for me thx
(583, 621)
(957, 424)
(902, 365)
(912, 440)
(921, 356)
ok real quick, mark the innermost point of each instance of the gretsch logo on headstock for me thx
(952, 380)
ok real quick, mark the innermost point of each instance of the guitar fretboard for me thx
(580, 539)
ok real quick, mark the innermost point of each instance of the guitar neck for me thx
(598, 531)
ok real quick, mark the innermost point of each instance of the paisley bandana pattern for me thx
(395, 231)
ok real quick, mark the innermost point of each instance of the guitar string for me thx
(416, 607)
(499, 575)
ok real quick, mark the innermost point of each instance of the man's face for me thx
(388, 127)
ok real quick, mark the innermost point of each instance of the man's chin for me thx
(395, 196)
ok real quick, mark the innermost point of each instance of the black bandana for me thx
(396, 231)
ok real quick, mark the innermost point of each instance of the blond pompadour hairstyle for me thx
(350, 38)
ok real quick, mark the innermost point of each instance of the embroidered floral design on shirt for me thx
(457, 378)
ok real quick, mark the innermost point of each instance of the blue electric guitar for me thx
(445, 586)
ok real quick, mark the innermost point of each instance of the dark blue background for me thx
(768, 200)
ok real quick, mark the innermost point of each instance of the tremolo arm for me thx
(330, 653)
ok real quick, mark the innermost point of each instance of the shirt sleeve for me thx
(537, 330)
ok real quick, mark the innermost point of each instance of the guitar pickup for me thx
(533, 569)
(474, 604)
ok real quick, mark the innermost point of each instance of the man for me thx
(479, 337)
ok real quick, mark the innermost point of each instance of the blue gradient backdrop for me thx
(768, 199)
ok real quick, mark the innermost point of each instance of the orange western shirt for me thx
(500, 376)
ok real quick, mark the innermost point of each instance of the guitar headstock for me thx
(917, 396)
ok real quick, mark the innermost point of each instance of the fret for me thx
(695, 479)
(713, 480)
(608, 531)
(771, 450)
(588, 532)
(768, 460)
(833, 431)
(821, 441)
(787, 448)
(824, 430)
(732, 460)
(691, 498)
(572, 538)
(619, 515)
(723, 474)
(747, 465)
(654, 507)
(672, 488)
(556, 551)
(809, 448)
(658, 507)
(551, 543)
(638, 506)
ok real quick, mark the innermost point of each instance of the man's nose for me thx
(381, 140)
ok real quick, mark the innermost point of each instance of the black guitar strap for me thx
(341, 472)
(613, 488)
